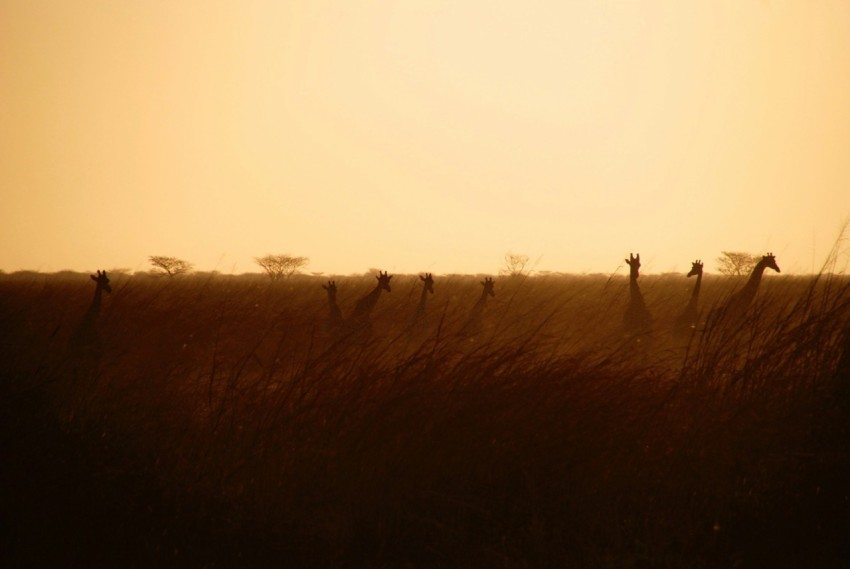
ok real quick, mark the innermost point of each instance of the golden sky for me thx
(422, 135)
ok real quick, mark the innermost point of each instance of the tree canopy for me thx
(170, 266)
(277, 266)
(736, 263)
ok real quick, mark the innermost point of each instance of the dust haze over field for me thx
(220, 420)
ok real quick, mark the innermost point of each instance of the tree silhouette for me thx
(170, 266)
(736, 263)
(514, 264)
(277, 266)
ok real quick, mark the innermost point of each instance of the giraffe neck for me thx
(479, 306)
(94, 310)
(637, 317)
(422, 299)
(335, 312)
(473, 323)
(366, 304)
(420, 308)
(755, 277)
(635, 295)
(695, 295)
(747, 293)
(85, 334)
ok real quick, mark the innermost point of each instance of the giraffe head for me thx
(696, 268)
(429, 282)
(769, 261)
(331, 288)
(488, 285)
(384, 280)
(634, 264)
(102, 281)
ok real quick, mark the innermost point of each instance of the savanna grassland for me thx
(219, 424)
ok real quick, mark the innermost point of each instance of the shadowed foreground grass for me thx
(221, 425)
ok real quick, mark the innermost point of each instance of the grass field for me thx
(219, 424)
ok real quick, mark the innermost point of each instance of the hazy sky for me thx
(422, 135)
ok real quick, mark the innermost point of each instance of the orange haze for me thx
(422, 135)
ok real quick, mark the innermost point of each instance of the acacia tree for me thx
(736, 263)
(170, 266)
(277, 266)
(514, 264)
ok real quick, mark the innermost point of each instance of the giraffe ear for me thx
(92, 277)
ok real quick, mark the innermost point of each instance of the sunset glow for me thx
(422, 136)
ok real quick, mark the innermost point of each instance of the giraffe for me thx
(334, 313)
(85, 337)
(473, 323)
(358, 321)
(427, 288)
(687, 320)
(742, 299)
(636, 318)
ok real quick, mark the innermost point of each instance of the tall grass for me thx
(223, 425)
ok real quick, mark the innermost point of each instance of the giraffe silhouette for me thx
(334, 313)
(85, 339)
(740, 302)
(472, 327)
(427, 288)
(82, 356)
(687, 320)
(636, 318)
(358, 322)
